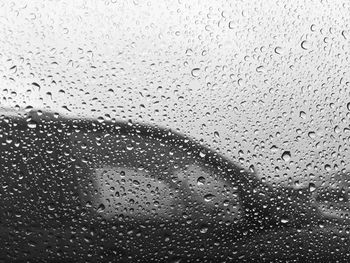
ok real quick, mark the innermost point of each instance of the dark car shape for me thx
(85, 190)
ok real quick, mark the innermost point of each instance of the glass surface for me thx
(174, 131)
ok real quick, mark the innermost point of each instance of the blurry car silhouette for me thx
(78, 190)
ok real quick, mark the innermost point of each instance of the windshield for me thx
(177, 131)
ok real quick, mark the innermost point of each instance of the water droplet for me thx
(312, 187)
(129, 147)
(327, 167)
(284, 220)
(209, 197)
(216, 135)
(337, 129)
(305, 45)
(312, 135)
(274, 148)
(278, 50)
(200, 181)
(231, 25)
(260, 69)
(343, 33)
(313, 27)
(286, 155)
(13, 69)
(66, 108)
(204, 230)
(36, 85)
(101, 208)
(49, 151)
(32, 124)
(302, 114)
(189, 52)
(195, 72)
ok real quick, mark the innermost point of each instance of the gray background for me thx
(249, 79)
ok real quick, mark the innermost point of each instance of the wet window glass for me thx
(174, 131)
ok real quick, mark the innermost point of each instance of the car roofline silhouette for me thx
(127, 127)
(256, 193)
